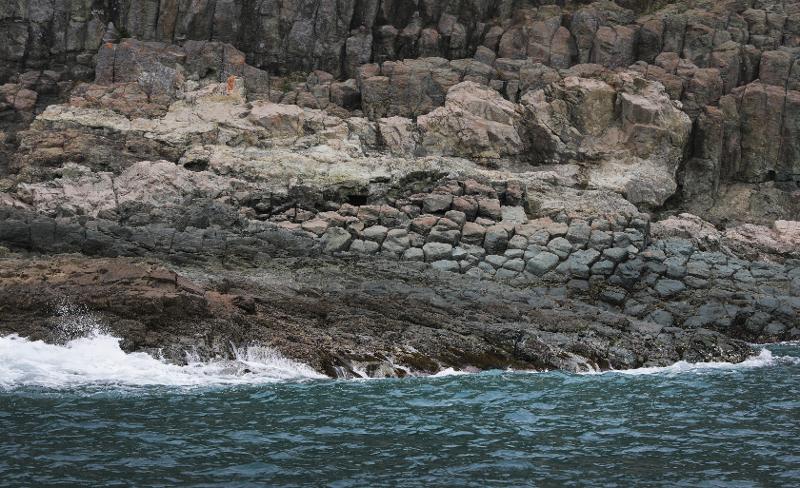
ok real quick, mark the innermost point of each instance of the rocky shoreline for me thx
(344, 317)
(578, 186)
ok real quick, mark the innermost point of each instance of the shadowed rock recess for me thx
(391, 188)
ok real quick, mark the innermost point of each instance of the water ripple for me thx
(687, 426)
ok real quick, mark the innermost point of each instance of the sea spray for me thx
(97, 359)
(75, 320)
(764, 358)
(732, 426)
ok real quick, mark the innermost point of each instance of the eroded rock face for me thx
(782, 238)
(746, 158)
(699, 58)
(476, 122)
(161, 69)
(156, 185)
(627, 136)
(625, 131)
(459, 146)
(401, 322)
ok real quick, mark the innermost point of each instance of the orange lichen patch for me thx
(231, 84)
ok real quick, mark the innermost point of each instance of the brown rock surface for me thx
(352, 140)
(333, 329)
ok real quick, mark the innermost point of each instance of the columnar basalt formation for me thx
(631, 167)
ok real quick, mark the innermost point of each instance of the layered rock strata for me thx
(358, 183)
(345, 318)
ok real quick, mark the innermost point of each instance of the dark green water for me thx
(681, 426)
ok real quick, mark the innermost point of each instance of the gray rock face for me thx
(487, 126)
(603, 268)
(336, 239)
(671, 273)
(496, 260)
(414, 254)
(560, 247)
(468, 137)
(542, 263)
(496, 239)
(397, 241)
(437, 251)
(709, 66)
(579, 233)
(366, 247)
(667, 288)
(578, 263)
(376, 233)
(441, 305)
(437, 203)
(446, 265)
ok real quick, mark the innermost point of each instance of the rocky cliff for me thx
(624, 176)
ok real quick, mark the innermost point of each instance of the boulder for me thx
(280, 120)
(542, 263)
(624, 129)
(436, 251)
(336, 239)
(475, 122)
(496, 239)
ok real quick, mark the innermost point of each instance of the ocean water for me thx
(87, 414)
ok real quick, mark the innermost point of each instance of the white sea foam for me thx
(763, 359)
(97, 359)
(450, 372)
